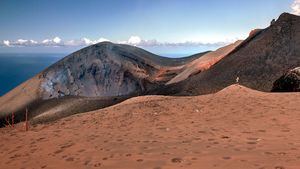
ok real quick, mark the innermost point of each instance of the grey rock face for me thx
(289, 82)
(99, 70)
(108, 69)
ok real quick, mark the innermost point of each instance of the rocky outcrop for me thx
(289, 82)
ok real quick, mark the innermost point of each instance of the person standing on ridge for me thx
(237, 80)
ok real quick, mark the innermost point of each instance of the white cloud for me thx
(296, 7)
(19, 42)
(72, 43)
(6, 42)
(102, 40)
(22, 41)
(133, 40)
(138, 41)
(46, 41)
(87, 41)
(33, 42)
(56, 40)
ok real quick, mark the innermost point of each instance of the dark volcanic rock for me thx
(258, 62)
(289, 82)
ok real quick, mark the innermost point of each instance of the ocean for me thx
(17, 68)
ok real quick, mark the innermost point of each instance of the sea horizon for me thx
(15, 68)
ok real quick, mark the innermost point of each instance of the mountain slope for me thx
(258, 61)
(203, 63)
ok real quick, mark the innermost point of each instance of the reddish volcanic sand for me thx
(235, 128)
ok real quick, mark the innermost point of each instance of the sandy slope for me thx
(21, 96)
(235, 128)
(204, 62)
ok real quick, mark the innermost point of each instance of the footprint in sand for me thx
(18, 147)
(225, 137)
(67, 145)
(262, 131)
(251, 142)
(57, 131)
(282, 153)
(176, 160)
(268, 153)
(97, 165)
(226, 158)
(70, 159)
(58, 151)
(157, 168)
(139, 160)
(87, 162)
(33, 150)
(40, 139)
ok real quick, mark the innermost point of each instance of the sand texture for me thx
(232, 129)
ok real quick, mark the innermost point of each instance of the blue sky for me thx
(161, 26)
